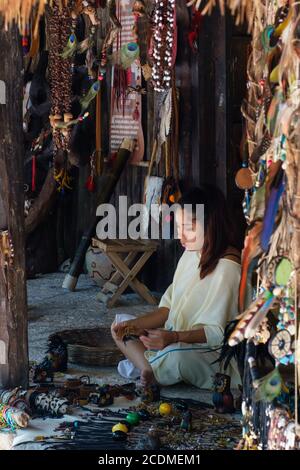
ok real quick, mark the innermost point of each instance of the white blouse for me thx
(209, 303)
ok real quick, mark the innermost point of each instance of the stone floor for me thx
(51, 309)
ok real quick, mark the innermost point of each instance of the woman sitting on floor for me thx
(185, 330)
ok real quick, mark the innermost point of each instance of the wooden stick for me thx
(108, 187)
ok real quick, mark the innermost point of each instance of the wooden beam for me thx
(42, 204)
(13, 302)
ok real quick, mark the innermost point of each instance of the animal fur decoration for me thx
(56, 360)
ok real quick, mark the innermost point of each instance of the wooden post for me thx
(13, 304)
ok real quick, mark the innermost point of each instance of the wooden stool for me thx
(125, 275)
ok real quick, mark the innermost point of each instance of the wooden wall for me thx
(212, 84)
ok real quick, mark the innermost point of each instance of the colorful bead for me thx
(120, 427)
(165, 409)
(133, 418)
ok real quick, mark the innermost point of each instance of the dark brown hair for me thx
(219, 231)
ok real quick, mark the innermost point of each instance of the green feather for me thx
(91, 94)
(269, 387)
(70, 48)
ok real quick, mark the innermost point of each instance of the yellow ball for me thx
(165, 409)
(120, 427)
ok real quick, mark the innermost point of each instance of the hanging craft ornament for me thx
(91, 94)
(280, 347)
(244, 178)
(164, 43)
(269, 387)
(62, 178)
(283, 272)
(60, 25)
(128, 54)
(71, 47)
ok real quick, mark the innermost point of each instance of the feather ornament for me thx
(269, 387)
(86, 44)
(70, 48)
(238, 334)
(271, 210)
(91, 94)
(251, 250)
(259, 316)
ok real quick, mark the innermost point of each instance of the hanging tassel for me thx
(90, 184)
(91, 94)
(70, 48)
(25, 42)
(271, 211)
(33, 174)
(268, 387)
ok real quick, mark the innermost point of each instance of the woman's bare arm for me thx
(151, 320)
(193, 336)
(155, 319)
(159, 339)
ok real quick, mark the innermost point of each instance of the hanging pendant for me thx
(243, 179)
(280, 347)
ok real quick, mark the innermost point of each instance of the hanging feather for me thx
(244, 319)
(232, 352)
(268, 387)
(271, 210)
(259, 316)
(251, 251)
(86, 44)
(91, 94)
(128, 54)
(276, 103)
(70, 48)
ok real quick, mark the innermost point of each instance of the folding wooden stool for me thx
(125, 275)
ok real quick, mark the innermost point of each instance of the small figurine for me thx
(151, 394)
(222, 397)
(186, 422)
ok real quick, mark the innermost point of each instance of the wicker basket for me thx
(91, 347)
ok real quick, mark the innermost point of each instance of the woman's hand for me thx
(128, 324)
(158, 339)
(123, 324)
